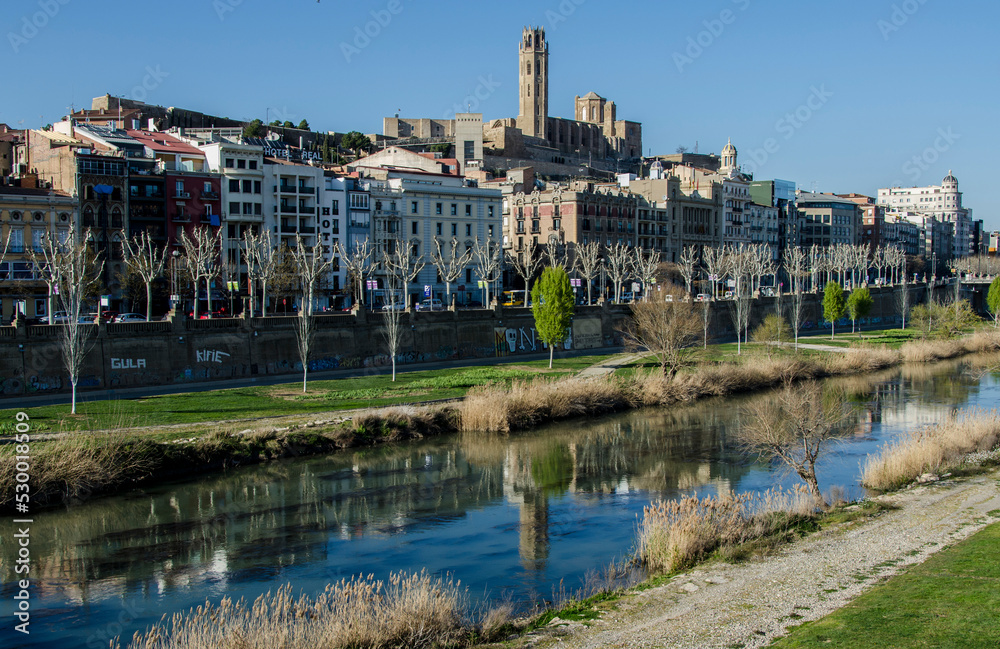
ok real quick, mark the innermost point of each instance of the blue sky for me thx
(837, 96)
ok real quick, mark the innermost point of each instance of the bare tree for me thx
(688, 263)
(69, 265)
(706, 317)
(555, 254)
(262, 258)
(400, 270)
(646, 263)
(664, 329)
(717, 264)
(619, 262)
(588, 264)
(450, 266)
(526, 263)
(145, 259)
(358, 262)
(310, 268)
(488, 256)
(794, 427)
(795, 266)
(903, 296)
(740, 269)
(201, 257)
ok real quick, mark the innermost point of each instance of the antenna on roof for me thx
(696, 146)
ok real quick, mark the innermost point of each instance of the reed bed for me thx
(676, 534)
(935, 449)
(927, 351)
(410, 610)
(524, 404)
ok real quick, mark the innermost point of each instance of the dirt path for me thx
(750, 604)
(609, 365)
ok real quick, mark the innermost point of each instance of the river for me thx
(508, 516)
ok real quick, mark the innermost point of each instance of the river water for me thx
(508, 516)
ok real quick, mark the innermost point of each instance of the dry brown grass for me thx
(931, 450)
(410, 610)
(404, 422)
(676, 534)
(528, 403)
(71, 467)
(927, 351)
(862, 358)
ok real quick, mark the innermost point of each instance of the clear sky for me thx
(838, 96)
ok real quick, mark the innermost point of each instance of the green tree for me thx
(859, 304)
(254, 129)
(993, 300)
(772, 331)
(275, 122)
(287, 124)
(552, 306)
(304, 125)
(834, 306)
(356, 142)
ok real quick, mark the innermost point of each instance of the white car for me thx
(60, 317)
(399, 306)
(430, 305)
(130, 317)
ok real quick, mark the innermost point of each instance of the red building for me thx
(193, 199)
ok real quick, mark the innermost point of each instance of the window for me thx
(248, 208)
(253, 164)
(241, 164)
(234, 208)
(17, 240)
(469, 147)
(557, 223)
(490, 227)
(468, 275)
(336, 208)
(207, 188)
(454, 229)
(437, 209)
(247, 186)
(336, 227)
(468, 210)
(234, 186)
(36, 239)
(179, 187)
(490, 211)
(230, 163)
(413, 228)
(468, 230)
(454, 209)
(256, 187)
(439, 229)
(414, 207)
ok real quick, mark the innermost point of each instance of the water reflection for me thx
(515, 513)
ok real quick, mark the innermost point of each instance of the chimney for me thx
(152, 124)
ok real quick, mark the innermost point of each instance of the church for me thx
(594, 138)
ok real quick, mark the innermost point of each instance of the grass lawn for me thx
(288, 399)
(951, 600)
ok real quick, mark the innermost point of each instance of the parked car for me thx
(627, 296)
(60, 317)
(430, 305)
(474, 304)
(399, 306)
(89, 318)
(130, 317)
(701, 297)
(109, 316)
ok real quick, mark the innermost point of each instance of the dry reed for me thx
(676, 534)
(409, 610)
(931, 450)
(927, 351)
(527, 403)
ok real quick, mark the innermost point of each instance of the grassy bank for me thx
(950, 600)
(72, 468)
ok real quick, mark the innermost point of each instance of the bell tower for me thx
(533, 78)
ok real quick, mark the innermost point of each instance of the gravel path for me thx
(750, 604)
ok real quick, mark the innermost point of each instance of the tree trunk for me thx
(72, 410)
(833, 324)
(552, 351)
(149, 301)
(394, 368)
(305, 376)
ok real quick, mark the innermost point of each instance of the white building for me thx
(943, 203)
(291, 193)
(331, 224)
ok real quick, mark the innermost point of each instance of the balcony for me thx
(182, 195)
(306, 210)
(303, 189)
(284, 189)
(288, 229)
(307, 229)
(210, 195)
(289, 209)
(181, 218)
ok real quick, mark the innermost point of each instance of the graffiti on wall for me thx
(128, 363)
(211, 356)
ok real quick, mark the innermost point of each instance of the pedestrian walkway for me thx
(610, 365)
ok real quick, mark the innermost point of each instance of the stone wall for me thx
(179, 351)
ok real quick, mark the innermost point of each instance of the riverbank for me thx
(80, 465)
(750, 604)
